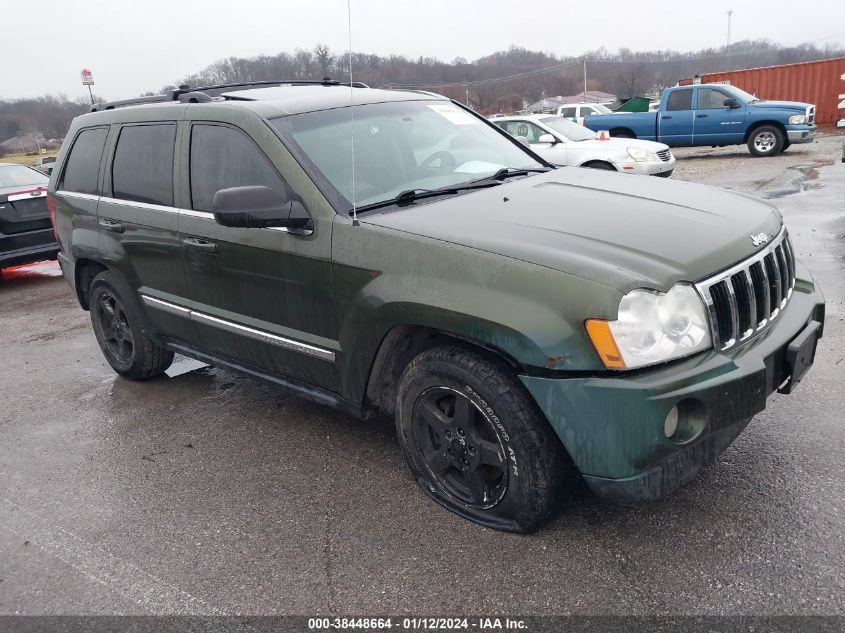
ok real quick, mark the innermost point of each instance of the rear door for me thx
(716, 123)
(24, 219)
(675, 123)
(139, 222)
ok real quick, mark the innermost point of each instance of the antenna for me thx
(351, 110)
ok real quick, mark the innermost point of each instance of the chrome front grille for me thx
(744, 300)
(811, 115)
(664, 155)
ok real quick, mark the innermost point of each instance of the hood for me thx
(781, 105)
(615, 229)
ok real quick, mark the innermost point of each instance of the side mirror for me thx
(258, 207)
(730, 102)
(547, 138)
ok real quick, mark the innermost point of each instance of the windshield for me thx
(18, 175)
(601, 108)
(399, 146)
(742, 95)
(568, 129)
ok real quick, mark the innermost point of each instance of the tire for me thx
(116, 319)
(786, 145)
(599, 165)
(766, 140)
(622, 134)
(476, 443)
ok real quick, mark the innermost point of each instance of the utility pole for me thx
(585, 80)
(467, 89)
(728, 41)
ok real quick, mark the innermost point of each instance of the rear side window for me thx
(223, 157)
(142, 170)
(83, 163)
(680, 100)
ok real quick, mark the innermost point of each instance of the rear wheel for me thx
(476, 443)
(766, 140)
(115, 317)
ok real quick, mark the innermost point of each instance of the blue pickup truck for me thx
(716, 115)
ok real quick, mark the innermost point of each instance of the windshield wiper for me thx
(411, 195)
(507, 172)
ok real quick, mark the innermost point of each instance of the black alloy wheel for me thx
(460, 448)
(114, 326)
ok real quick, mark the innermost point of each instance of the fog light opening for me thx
(670, 424)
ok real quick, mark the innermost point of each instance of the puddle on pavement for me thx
(804, 182)
(183, 365)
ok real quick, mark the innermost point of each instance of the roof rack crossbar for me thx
(217, 89)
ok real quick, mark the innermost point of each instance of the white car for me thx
(580, 110)
(563, 142)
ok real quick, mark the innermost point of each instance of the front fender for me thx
(534, 315)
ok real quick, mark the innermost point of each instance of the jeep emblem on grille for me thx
(759, 239)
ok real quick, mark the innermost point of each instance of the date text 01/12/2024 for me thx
(416, 624)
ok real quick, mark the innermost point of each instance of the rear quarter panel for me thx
(642, 124)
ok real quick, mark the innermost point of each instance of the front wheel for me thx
(476, 443)
(766, 140)
(116, 321)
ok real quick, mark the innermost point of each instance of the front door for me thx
(675, 122)
(262, 298)
(716, 123)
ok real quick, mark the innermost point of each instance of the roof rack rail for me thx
(202, 94)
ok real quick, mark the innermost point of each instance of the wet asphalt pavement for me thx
(208, 493)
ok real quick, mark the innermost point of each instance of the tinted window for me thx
(83, 163)
(710, 99)
(222, 157)
(680, 100)
(143, 164)
(569, 112)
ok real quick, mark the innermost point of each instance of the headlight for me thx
(652, 327)
(797, 119)
(640, 155)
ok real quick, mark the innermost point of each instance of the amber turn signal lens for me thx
(602, 339)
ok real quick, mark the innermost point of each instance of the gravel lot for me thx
(207, 493)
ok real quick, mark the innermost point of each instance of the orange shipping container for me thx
(821, 83)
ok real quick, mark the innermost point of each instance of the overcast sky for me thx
(137, 45)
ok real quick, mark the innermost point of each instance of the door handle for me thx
(198, 244)
(700, 116)
(666, 116)
(111, 225)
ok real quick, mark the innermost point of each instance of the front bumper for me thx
(648, 168)
(800, 133)
(612, 424)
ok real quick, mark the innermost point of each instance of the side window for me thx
(710, 99)
(524, 130)
(569, 112)
(680, 100)
(83, 163)
(142, 169)
(222, 157)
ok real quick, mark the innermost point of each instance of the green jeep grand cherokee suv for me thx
(522, 323)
